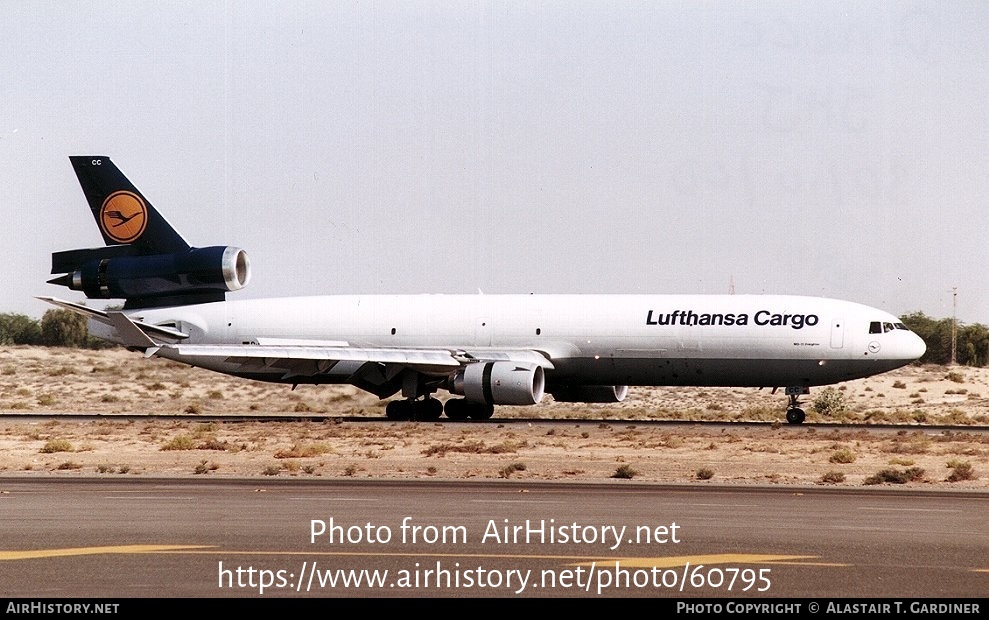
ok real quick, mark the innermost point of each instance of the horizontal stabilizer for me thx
(129, 332)
(107, 318)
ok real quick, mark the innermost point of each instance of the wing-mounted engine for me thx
(501, 383)
(195, 275)
(589, 393)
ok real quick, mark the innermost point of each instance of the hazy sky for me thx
(821, 148)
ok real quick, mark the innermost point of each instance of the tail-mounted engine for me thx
(197, 275)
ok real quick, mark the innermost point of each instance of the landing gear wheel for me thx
(399, 410)
(456, 409)
(462, 409)
(428, 409)
(795, 415)
(481, 411)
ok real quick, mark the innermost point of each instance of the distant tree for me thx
(64, 328)
(973, 345)
(19, 329)
(936, 333)
(971, 341)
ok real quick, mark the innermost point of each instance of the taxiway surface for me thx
(213, 538)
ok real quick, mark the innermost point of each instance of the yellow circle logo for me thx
(124, 217)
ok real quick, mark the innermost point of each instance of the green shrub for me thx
(180, 442)
(64, 328)
(57, 445)
(507, 471)
(19, 329)
(829, 402)
(301, 451)
(46, 400)
(212, 443)
(960, 470)
(896, 476)
(842, 456)
(625, 471)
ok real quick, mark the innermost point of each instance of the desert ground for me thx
(605, 443)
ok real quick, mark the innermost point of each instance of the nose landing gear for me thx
(794, 414)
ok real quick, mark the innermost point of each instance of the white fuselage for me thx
(710, 340)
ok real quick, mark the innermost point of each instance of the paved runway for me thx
(221, 538)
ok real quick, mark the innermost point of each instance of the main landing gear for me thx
(794, 414)
(428, 409)
(462, 409)
(419, 403)
(410, 409)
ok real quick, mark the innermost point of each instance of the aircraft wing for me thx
(312, 359)
(319, 357)
(377, 370)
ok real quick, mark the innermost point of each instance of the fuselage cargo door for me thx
(837, 333)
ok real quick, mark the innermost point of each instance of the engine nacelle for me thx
(501, 383)
(589, 393)
(207, 272)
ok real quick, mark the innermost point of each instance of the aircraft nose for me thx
(915, 347)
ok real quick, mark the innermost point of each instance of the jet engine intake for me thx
(501, 383)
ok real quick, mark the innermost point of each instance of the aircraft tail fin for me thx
(145, 261)
(123, 214)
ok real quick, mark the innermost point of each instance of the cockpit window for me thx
(880, 327)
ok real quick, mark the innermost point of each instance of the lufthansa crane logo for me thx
(124, 217)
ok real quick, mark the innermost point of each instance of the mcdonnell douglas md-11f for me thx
(487, 349)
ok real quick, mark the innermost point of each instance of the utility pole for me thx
(954, 325)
